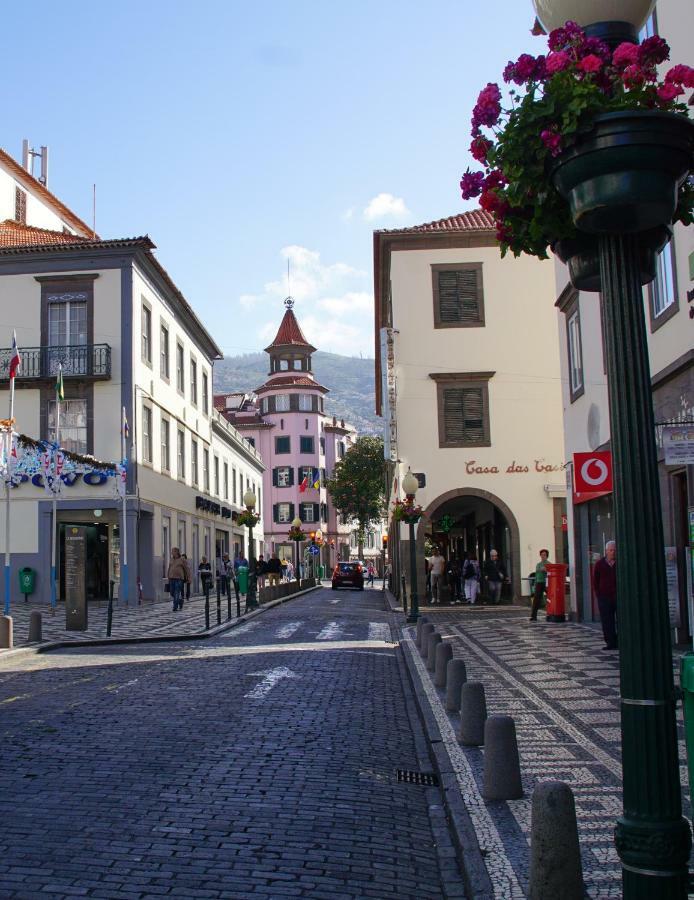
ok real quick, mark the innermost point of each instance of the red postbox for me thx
(556, 591)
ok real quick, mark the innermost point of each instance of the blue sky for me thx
(238, 135)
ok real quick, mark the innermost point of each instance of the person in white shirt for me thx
(437, 566)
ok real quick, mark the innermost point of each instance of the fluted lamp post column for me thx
(296, 526)
(409, 486)
(252, 595)
(652, 837)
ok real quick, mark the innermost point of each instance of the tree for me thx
(357, 486)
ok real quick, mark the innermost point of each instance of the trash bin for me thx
(242, 576)
(556, 591)
(27, 581)
(687, 684)
(321, 572)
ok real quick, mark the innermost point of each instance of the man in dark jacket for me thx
(495, 574)
(605, 587)
(273, 568)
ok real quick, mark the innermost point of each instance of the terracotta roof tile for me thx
(33, 184)
(290, 334)
(473, 220)
(290, 381)
(13, 234)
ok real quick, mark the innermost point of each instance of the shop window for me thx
(458, 295)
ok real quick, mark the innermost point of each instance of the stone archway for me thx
(479, 494)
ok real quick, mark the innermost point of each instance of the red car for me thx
(348, 574)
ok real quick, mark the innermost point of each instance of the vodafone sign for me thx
(592, 474)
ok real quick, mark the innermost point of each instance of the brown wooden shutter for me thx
(459, 295)
(463, 411)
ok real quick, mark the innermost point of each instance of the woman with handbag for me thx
(176, 574)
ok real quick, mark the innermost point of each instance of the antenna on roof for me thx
(28, 155)
(288, 300)
(94, 210)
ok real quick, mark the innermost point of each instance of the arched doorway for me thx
(466, 519)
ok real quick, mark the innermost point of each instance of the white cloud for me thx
(386, 206)
(333, 303)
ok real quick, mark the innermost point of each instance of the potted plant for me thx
(407, 511)
(248, 518)
(581, 102)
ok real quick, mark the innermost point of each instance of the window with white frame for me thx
(284, 476)
(282, 403)
(264, 405)
(226, 480)
(662, 290)
(307, 512)
(73, 425)
(206, 469)
(165, 462)
(216, 476)
(180, 368)
(193, 382)
(146, 333)
(573, 332)
(205, 394)
(305, 402)
(284, 511)
(194, 461)
(146, 433)
(181, 454)
(164, 352)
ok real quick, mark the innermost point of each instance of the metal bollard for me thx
(238, 597)
(109, 610)
(35, 627)
(404, 595)
(219, 602)
(207, 610)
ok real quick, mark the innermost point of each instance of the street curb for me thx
(478, 883)
(154, 639)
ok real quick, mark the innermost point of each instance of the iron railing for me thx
(90, 361)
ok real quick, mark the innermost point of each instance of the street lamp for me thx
(652, 837)
(409, 486)
(296, 529)
(251, 518)
(384, 546)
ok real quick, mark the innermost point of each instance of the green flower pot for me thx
(624, 175)
(582, 256)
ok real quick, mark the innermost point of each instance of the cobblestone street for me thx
(562, 690)
(262, 762)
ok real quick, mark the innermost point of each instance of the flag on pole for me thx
(59, 391)
(316, 479)
(126, 427)
(15, 359)
(303, 485)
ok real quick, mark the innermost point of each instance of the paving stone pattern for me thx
(562, 690)
(259, 763)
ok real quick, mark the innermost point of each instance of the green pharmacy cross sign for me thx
(446, 523)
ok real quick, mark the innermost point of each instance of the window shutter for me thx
(294, 402)
(291, 512)
(275, 513)
(291, 476)
(302, 512)
(316, 512)
(463, 411)
(274, 479)
(459, 293)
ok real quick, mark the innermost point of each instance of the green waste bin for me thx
(27, 581)
(687, 682)
(321, 572)
(242, 576)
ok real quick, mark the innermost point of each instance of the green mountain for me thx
(350, 381)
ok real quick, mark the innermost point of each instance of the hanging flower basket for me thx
(590, 125)
(248, 519)
(409, 513)
(624, 176)
(296, 534)
(582, 256)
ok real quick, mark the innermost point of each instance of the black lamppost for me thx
(384, 546)
(296, 535)
(251, 596)
(621, 180)
(409, 486)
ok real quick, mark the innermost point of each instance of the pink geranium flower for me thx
(668, 92)
(479, 148)
(625, 55)
(552, 141)
(680, 74)
(633, 77)
(471, 184)
(590, 64)
(557, 62)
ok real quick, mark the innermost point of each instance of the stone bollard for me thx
(6, 642)
(456, 676)
(35, 627)
(421, 621)
(427, 629)
(433, 641)
(444, 654)
(502, 776)
(555, 855)
(473, 714)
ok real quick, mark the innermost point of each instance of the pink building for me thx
(285, 421)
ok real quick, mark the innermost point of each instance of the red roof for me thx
(34, 185)
(474, 220)
(291, 381)
(14, 234)
(290, 334)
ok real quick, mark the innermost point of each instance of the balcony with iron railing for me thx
(89, 362)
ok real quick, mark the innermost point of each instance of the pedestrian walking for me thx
(370, 573)
(471, 578)
(189, 577)
(605, 587)
(274, 570)
(205, 575)
(453, 576)
(437, 567)
(261, 570)
(540, 583)
(289, 570)
(176, 574)
(495, 575)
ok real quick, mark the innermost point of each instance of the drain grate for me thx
(408, 777)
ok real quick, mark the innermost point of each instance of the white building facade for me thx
(467, 380)
(126, 338)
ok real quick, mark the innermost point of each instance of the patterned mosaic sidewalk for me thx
(151, 617)
(562, 690)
